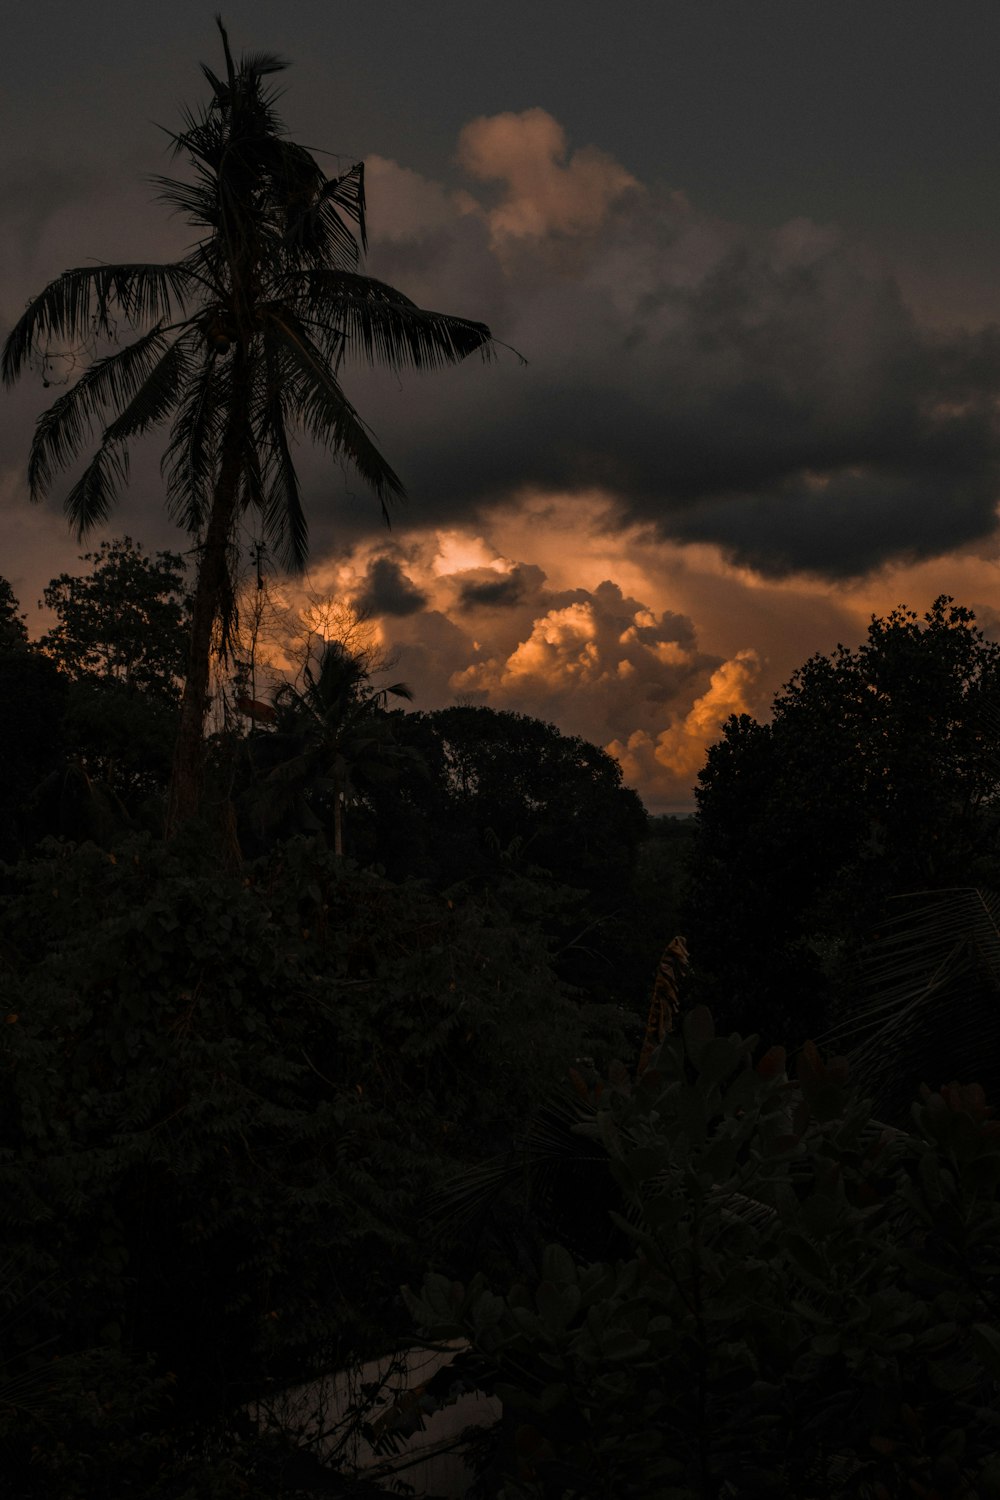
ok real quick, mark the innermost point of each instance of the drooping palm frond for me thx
(931, 1007)
(379, 324)
(154, 394)
(159, 393)
(325, 412)
(188, 463)
(69, 422)
(79, 304)
(193, 199)
(96, 492)
(286, 530)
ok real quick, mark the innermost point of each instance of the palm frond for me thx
(219, 89)
(78, 304)
(285, 528)
(384, 327)
(193, 199)
(62, 430)
(158, 395)
(932, 998)
(230, 65)
(95, 494)
(346, 195)
(188, 464)
(325, 411)
(252, 474)
(262, 63)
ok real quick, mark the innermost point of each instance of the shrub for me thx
(226, 1099)
(810, 1305)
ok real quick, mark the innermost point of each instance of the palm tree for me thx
(334, 736)
(241, 344)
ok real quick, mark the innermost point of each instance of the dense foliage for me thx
(505, 802)
(877, 775)
(252, 1085)
(803, 1302)
(226, 1100)
(123, 621)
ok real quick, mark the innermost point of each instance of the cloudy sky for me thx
(750, 251)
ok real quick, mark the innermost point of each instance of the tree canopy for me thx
(878, 774)
(13, 631)
(124, 621)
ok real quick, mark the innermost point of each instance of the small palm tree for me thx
(333, 735)
(243, 342)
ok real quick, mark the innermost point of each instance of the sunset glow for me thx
(738, 433)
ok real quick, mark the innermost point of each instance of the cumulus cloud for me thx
(666, 765)
(546, 190)
(765, 391)
(593, 660)
(600, 661)
(491, 593)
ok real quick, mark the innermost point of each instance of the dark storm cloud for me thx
(493, 593)
(388, 591)
(767, 392)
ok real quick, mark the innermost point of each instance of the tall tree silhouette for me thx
(242, 344)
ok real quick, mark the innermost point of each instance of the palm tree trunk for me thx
(187, 772)
(338, 823)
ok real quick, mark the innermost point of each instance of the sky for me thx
(749, 250)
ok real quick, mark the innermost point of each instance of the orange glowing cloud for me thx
(666, 766)
(547, 190)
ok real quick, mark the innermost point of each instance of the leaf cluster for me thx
(124, 620)
(809, 1305)
(227, 1099)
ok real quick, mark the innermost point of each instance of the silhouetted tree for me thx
(506, 802)
(32, 707)
(125, 621)
(244, 341)
(13, 632)
(333, 738)
(877, 775)
(120, 639)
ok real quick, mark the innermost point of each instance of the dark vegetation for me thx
(239, 1065)
(876, 779)
(254, 1086)
(328, 1032)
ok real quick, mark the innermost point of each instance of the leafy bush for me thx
(226, 1099)
(810, 1305)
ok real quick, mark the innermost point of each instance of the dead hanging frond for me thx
(664, 1006)
(931, 1004)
